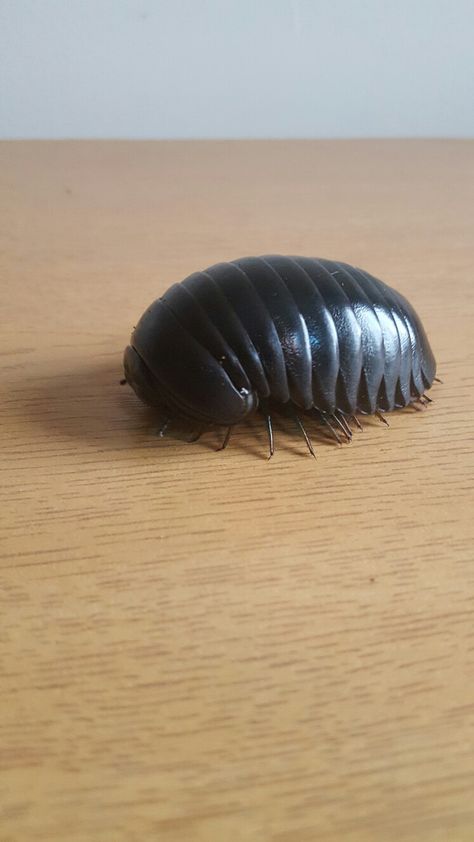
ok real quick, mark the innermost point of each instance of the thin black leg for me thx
(271, 443)
(305, 434)
(226, 439)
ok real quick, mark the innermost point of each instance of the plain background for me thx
(236, 68)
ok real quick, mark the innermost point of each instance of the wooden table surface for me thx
(210, 646)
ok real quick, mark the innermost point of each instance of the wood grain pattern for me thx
(211, 647)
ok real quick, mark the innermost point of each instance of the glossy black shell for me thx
(291, 330)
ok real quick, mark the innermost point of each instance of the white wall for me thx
(236, 68)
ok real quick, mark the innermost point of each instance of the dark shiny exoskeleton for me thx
(295, 334)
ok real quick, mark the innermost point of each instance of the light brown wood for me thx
(209, 646)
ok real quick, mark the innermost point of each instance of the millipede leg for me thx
(305, 434)
(430, 400)
(334, 432)
(381, 418)
(123, 381)
(419, 400)
(226, 439)
(343, 427)
(271, 443)
(163, 428)
(438, 380)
